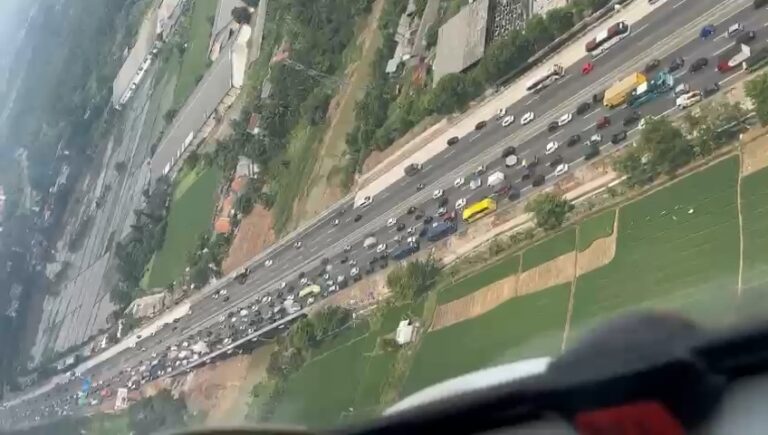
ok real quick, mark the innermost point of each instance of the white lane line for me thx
(331, 230)
(721, 50)
(537, 97)
(722, 35)
(474, 137)
(678, 4)
(636, 31)
(384, 194)
(453, 150)
(589, 127)
(592, 113)
(556, 133)
(732, 77)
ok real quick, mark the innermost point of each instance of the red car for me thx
(603, 122)
(587, 68)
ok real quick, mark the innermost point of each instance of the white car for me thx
(734, 29)
(687, 100)
(437, 193)
(303, 281)
(458, 182)
(282, 285)
(565, 119)
(595, 139)
(441, 211)
(268, 263)
(501, 112)
(366, 201)
(528, 117)
(391, 222)
(476, 183)
(561, 169)
(347, 248)
(461, 203)
(297, 244)
(335, 222)
(480, 170)
(551, 147)
(381, 248)
(507, 121)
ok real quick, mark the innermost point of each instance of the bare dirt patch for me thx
(370, 290)
(599, 253)
(754, 151)
(254, 234)
(553, 272)
(475, 304)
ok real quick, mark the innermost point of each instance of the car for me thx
(682, 88)
(676, 64)
(297, 244)
(419, 214)
(381, 248)
(529, 164)
(391, 222)
(573, 140)
(442, 202)
(527, 117)
(303, 281)
(411, 230)
(480, 170)
(710, 90)
(556, 160)
(746, 37)
(651, 66)
(452, 141)
(437, 193)
(268, 263)
(501, 112)
(412, 169)
(335, 222)
(597, 97)
(510, 161)
(282, 285)
(460, 203)
(411, 210)
(400, 226)
(449, 216)
(427, 220)
(508, 151)
(553, 126)
(367, 200)
(733, 30)
(458, 182)
(619, 137)
(538, 180)
(551, 147)
(698, 65)
(526, 175)
(480, 125)
(587, 68)
(442, 210)
(420, 187)
(707, 31)
(631, 119)
(602, 122)
(475, 183)
(561, 169)
(565, 119)
(358, 218)
(583, 108)
(687, 100)
(595, 139)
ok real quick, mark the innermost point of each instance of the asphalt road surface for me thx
(666, 33)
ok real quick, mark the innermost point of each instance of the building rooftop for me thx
(461, 40)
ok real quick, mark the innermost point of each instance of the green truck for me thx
(649, 91)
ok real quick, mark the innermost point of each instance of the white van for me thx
(687, 100)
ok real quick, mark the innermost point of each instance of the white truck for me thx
(369, 242)
(495, 179)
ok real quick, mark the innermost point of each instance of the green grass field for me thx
(596, 227)
(195, 61)
(191, 214)
(549, 249)
(523, 327)
(677, 249)
(393, 315)
(505, 267)
(754, 209)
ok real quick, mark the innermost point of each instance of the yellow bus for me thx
(479, 209)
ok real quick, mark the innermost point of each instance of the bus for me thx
(479, 209)
(553, 74)
(607, 38)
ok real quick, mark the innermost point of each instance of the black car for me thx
(619, 137)
(556, 160)
(526, 175)
(508, 151)
(480, 125)
(591, 151)
(453, 141)
(698, 65)
(400, 226)
(676, 64)
(442, 202)
(532, 162)
(538, 180)
(419, 214)
(427, 220)
(358, 217)
(325, 261)
(573, 140)
(652, 65)
(583, 108)
(598, 97)
(746, 37)
(514, 194)
(710, 90)
(411, 210)
(344, 260)
(553, 126)
(632, 118)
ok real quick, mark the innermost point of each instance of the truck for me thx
(439, 230)
(404, 251)
(309, 290)
(495, 179)
(369, 242)
(662, 83)
(733, 57)
(242, 275)
(620, 91)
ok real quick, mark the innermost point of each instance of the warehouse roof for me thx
(461, 40)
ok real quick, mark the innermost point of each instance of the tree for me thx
(412, 280)
(550, 210)
(302, 334)
(757, 91)
(431, 36)
(120, 167)
(241, 15)
(160, 412)
(668, 148)
(169, 115)
(199, 275)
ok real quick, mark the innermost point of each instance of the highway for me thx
(667, 32)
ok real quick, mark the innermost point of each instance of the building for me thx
(461, 40)
(404, 333)
(405, 38)
(224, 27)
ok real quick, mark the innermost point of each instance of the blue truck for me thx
(402, 252)
(440, 230)
(649, 91)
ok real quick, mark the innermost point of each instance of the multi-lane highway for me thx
(671, 30)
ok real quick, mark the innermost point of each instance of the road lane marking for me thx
(591, 113)
(678, 4)
(721, 50)
(538, 96)
(556, 133)
(474, 137)
(642, 27)
(589, 127)
(731, 77)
